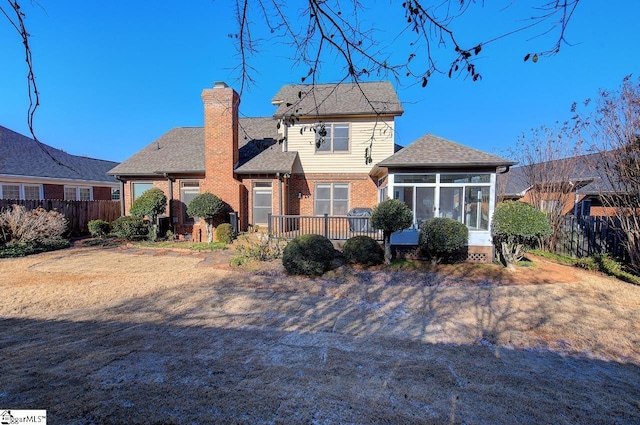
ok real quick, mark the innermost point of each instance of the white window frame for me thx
(77, 190)
(21, 189)
(329, 138)
(332, 198)
(437, 185)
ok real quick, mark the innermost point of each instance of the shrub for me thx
(39, 226)
(224, 233)
(390, 216)
(516, 226)
(441, 236)
(20, 249)
(206, 206)
(264, 249)
(151, 203)
(363, 250)
(98, 228)
(308, 255)
(130, 228)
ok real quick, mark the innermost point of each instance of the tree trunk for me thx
(209, 228)
(387, 248)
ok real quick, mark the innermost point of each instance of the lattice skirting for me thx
(472, 254)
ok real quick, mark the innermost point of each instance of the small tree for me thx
(390, 216)
(516, 225)
(150, 204)
(441, 236)
(207, 206)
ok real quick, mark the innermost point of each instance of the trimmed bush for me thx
(130, 228)
(206, 206)
(308, 255)
(151, 203)
(363, 250)
(98, 228)
(390, 216)
(224, 233)
(442, 236)
(516, 226)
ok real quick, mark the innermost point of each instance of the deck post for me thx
(269, 224)
(326, 225)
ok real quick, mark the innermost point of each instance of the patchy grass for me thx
(562, 259)
(179, 341)
(598, 262)
(193, 246)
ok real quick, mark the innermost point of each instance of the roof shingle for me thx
(434, 151)
(375, 98)
(22, 156)
(181, 150)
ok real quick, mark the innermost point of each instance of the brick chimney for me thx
(221, 143)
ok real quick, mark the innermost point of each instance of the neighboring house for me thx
(309, 160)
(574, 184)
(32, 170)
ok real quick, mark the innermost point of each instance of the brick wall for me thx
(53, 191)
(101, 193)
(221, 144)
(362, 191)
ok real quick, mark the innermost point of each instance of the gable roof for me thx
(434, 151)
(375, 98)
(181, 151)
(23, 156)
(586, 172)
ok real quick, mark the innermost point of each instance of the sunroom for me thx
(436, 177)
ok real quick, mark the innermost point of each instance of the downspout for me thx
(170, 200)
(121, 195)
(280, 200)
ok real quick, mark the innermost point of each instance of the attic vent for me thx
(220, 85)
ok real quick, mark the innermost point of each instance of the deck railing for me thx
(331, 227)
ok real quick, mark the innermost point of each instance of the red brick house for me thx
(576, 189)
(308, 159)
(32, 170)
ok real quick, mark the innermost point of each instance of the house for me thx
(328, 148)
(32, 170)
(572, 186)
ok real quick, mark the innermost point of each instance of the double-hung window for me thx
(188, 191)
(332, 138)
(31, 192)
(331, 198)
(10, 191)
(76, 193)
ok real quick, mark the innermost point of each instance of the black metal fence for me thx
(587, 235)
(331, 227)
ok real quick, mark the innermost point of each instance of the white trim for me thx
(77, 189)
(50, 180)
(21, 186)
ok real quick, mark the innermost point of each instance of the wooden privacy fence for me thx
(77, 213)
(331, 227)
(588, 235)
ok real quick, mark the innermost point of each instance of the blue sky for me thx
(116, 75)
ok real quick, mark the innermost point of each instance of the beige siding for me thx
(361, 133)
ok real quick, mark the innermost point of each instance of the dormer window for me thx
(332, 138)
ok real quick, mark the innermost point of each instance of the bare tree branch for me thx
(16, 18)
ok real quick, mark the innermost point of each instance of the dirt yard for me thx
(117, 335)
